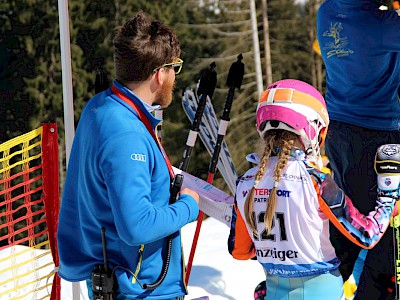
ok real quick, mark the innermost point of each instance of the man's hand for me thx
(190, 193)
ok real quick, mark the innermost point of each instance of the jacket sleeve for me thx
(141, 215)
(240, 244)
(364, 231)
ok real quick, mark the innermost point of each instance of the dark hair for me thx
(141, 45)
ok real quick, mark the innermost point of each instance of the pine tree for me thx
(209, 31)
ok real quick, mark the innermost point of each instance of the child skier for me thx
(283, 206)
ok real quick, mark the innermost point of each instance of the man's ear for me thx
(160, 76)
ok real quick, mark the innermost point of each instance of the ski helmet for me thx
(298, 107)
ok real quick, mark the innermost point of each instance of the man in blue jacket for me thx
(360, 46)
(119, 177)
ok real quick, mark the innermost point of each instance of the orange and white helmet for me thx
(298, 107)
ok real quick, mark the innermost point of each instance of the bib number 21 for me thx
(280, 219)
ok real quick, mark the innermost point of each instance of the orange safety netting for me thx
(29, 205)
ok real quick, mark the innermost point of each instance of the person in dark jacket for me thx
(360, 46)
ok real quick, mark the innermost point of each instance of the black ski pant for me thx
(351, 151)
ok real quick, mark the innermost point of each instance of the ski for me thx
(208, 135)
(206, 86)
(224, 154)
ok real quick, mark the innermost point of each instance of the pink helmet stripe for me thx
(293, 102)
(286, 115)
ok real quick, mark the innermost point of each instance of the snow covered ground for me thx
(214, 272)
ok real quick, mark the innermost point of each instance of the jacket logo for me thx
(138, 157)
(337, 47)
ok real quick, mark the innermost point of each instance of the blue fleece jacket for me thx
(360, 46)
(118, 179)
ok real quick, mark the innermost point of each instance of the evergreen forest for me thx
(209, 31)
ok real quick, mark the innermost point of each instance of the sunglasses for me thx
(176, 65)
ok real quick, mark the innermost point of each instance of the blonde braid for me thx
(249, 203)
(286, 142)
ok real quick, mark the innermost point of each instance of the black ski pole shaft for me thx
(235, 78)
(206, 88)
(223, 126)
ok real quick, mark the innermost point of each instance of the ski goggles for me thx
(176, 65)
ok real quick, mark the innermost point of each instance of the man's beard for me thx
(164, 96)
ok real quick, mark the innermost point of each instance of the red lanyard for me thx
(146, 123)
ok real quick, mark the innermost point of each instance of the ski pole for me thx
(234, 80)
(208, 134)
(208, 81)
(178, 180)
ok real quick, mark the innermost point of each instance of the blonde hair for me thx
(285, 141)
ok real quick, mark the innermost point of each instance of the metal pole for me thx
(256, 48)
(267, 47)
(68, 100)
(66, 70)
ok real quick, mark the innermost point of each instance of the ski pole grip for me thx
(175, 187)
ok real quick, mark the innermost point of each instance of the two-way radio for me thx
(102, 276)
(103, 281)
